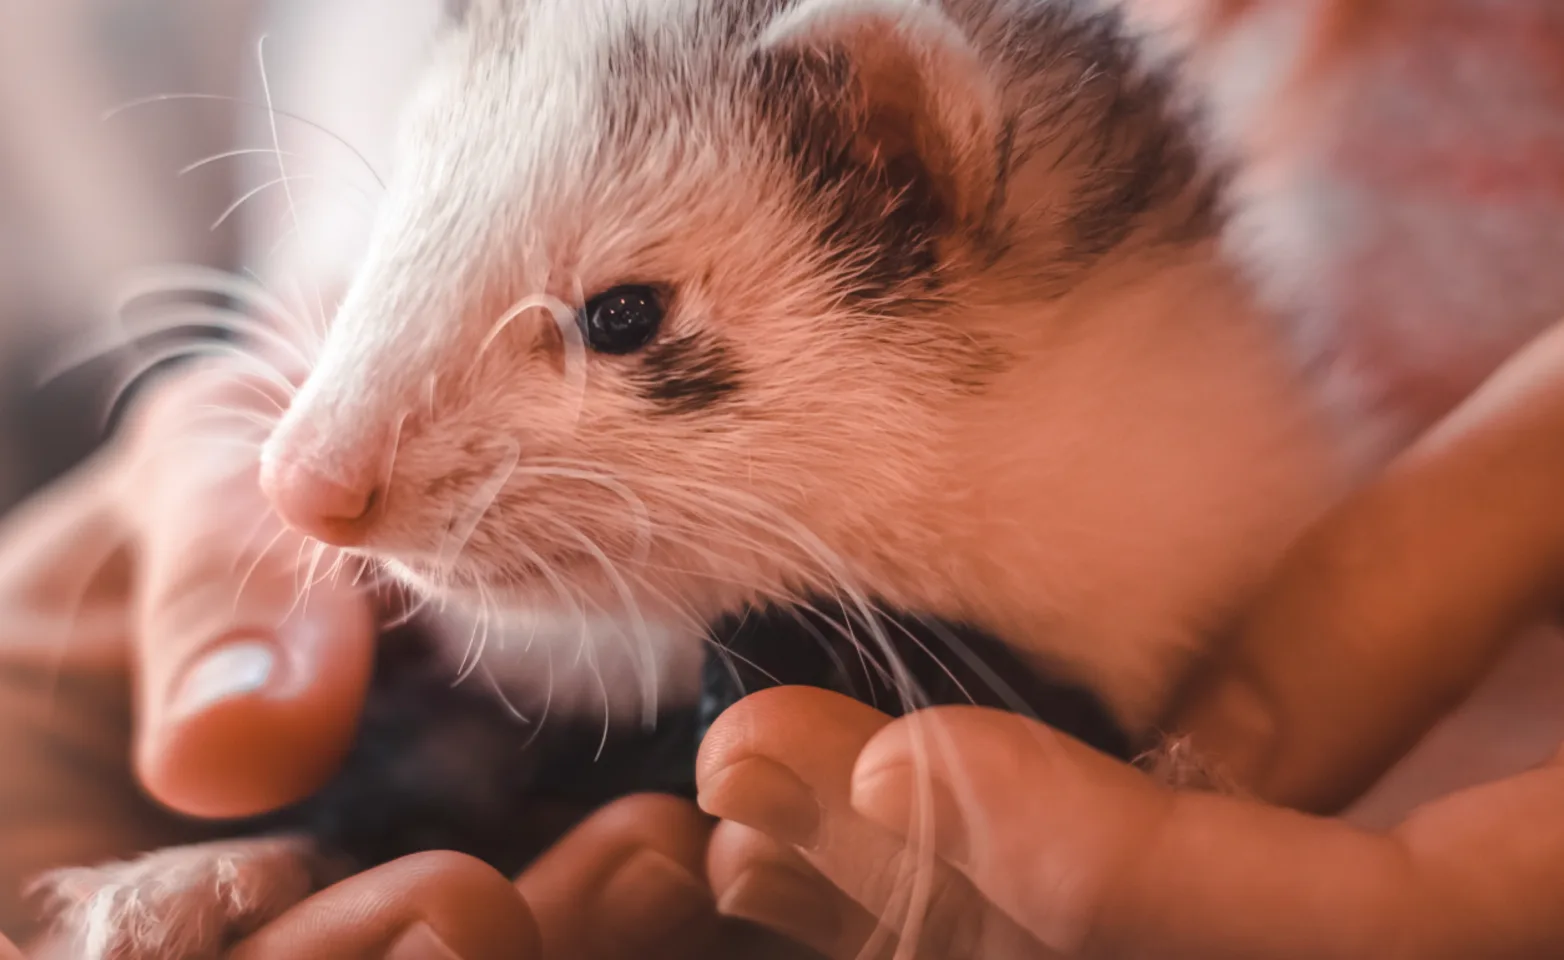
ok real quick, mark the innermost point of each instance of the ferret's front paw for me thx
(183, 903)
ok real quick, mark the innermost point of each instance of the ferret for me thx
(1033, 328)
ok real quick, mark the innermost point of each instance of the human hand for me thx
(1015, 841)
(158, 561)
(160, 555)
(627, 883)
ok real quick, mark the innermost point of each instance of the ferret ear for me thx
(919, 104)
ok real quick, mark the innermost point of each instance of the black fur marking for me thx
(688, 374)
(1130, 157)
(1139, 163)
(656, 76)
(881, 222)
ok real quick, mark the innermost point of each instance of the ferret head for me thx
(680, 305)
(658, 307)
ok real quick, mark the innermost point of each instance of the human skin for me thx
(1032, 844)
(122, 580)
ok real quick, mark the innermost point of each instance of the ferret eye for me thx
(623, 319)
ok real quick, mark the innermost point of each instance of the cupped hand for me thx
(158, 563)
(157, 667)
(626, 884)
(975, 834)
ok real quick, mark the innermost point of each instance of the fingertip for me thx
(429, 906)
(628, 882)
(762, 882)
(1016, 806)
(771, 722)
(260, 719)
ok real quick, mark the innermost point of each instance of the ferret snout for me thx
(323, 475)
(317, 506)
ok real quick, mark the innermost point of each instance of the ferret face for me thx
(657, 314)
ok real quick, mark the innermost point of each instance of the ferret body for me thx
(974, 354)
(1057, 320)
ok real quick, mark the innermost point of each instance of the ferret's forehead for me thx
(587, 46)
(561, 117)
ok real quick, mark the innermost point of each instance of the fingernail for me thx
(235, 670)
(655, 903)
(785, 901)
(909, 802)
(763, 794)
(420, 942)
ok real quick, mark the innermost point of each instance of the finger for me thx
(626, 884)
(1097, 860)
(250, 679)
(794, 781)
(64, 570)
(762, 881)
(431, 906)
(8, 950)
(1385, 617)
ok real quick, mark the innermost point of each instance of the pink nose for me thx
(318, 507)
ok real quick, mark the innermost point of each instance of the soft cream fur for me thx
(1102, 502)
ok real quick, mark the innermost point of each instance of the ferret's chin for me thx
(422, 581)
(464, 588)
(447, 588)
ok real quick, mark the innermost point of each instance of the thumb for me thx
(250, 679)
(1096, 860)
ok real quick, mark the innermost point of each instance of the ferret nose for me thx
(317, 506)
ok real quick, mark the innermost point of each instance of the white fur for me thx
(1106, 536)
(184, 903)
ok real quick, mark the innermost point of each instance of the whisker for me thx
(484, 499)
(196, 278)
(463, 671)
(239, 101)
(548, 701)
(647, 669)
(244, 581)
(282, 171)
(226, 155)
(128, 378)
(504, 700)
(285, 181)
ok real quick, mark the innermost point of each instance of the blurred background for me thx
(95, 194)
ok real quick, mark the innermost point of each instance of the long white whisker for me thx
(226, 155)
(282, 170)
(255, 564)
(285, 182)
(474, 649)
(647, 667)
(238, 101)
(504, 700)
(484, 500)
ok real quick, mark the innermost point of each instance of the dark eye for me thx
(623, 319)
